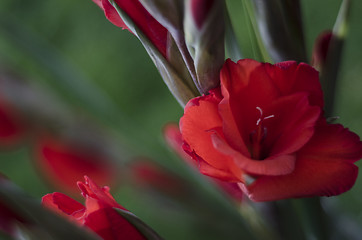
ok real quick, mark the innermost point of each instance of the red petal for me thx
(201, 115)
(291, 77)
(230, 127)
(99, 3)
(110, 225)
(292, 125)
(173, 137)
(63, 164)
(320, 49)
(310, 178)
(61, 203)
(111, 13)
(155, 32)
(245, 85)
(271, 166)
(334, 142)
(224, 175)
(91, 190)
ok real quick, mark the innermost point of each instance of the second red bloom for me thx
(260, 129)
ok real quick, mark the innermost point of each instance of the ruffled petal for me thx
(310, 178)
(91, 190)
(333, 142)
(201, 115)
(291, 77)
(61, 203)
(223, 175)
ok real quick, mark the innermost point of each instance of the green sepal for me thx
(170, 14)
(206, 45)
(176, 84)
(281, 29)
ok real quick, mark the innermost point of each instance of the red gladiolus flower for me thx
(64, 163)
(155, 32)
(98, 214)
(264, 128)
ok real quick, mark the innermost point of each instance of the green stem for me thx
(312, 217)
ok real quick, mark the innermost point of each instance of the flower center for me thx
(258, 136)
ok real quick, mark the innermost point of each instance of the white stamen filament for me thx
(261, 116)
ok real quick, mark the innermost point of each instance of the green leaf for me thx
(33, 213)
(312, 217)
(259, 50)
(232, 47)
(146, 231)
(281, 29)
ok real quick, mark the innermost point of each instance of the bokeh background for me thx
(104, 74)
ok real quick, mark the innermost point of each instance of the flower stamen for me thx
(258, 135)
(261, 118)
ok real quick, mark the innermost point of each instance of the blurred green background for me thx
(52, 41)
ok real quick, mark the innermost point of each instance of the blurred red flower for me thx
(63, 163)
(320, 49)
(200, 10)
(264, 128)
(98, 214)
(152, 176)
(12, 129)
(154, 31)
